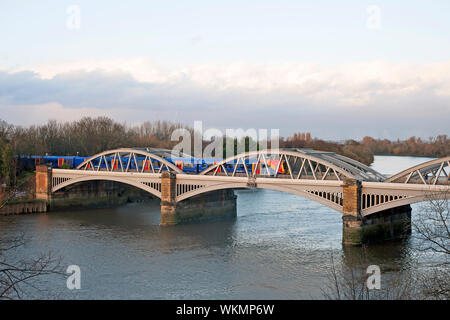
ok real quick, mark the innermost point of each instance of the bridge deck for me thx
(319, 176)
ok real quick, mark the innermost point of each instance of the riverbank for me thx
(16, 207)
(88, 195)
(20, 199)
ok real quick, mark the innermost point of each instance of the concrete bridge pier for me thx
(43, 182)
(381, 226)
(168, 199)
(215, 205)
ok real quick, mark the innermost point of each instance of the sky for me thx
(337, 69)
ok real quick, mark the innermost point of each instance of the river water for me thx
(279, 247)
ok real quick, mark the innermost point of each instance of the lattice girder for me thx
(128, 160)
(434, 172)
(296, 165)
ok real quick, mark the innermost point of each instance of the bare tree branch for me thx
(18, 277)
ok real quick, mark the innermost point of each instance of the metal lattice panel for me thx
(128, 160)
(296, 164)
(433, 172)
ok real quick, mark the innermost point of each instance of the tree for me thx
(432, 230)
(348, 281)
(5, 131)
(7, 168)
(19, 278)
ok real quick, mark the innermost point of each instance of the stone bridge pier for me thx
(43, 182)
(219, 204)
(389, 224)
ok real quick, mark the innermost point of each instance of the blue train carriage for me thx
(60, 162)
(77, 161)
(30, 162)
(141, 164)
(250, 166)
(229, 166)
(148, 165)
(187, 165)
(25, 163)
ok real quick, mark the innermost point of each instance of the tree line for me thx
(349, 148)
(433, 147)
(89, 136)
(364, 150)
(83, 137)
(86, 136)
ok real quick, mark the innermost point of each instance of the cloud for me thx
(33, 114)
(377, 98)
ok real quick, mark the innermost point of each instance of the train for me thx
(187, 165)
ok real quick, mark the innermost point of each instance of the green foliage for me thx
(7, 167)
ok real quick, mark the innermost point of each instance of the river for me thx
(279, 247)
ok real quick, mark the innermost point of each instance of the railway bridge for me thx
(373, 207)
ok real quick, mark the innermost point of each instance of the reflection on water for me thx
(279, 247)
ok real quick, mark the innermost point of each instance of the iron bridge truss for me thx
(295, 164)
(434, 172)
(317, 175)
(128, 160)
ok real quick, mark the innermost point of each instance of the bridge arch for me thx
(65, 178)
(309, 195)
(405, 200)
(118, 164)
(429, 173)
(302, 164)
(328, 193)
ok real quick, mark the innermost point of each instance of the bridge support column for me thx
(168, 199)
(215, 205)
(381, 226)
(43, 182)
(352, 222)
(390, 224)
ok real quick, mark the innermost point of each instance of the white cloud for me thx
(355, 83)
(372, 96)
(40, 113)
